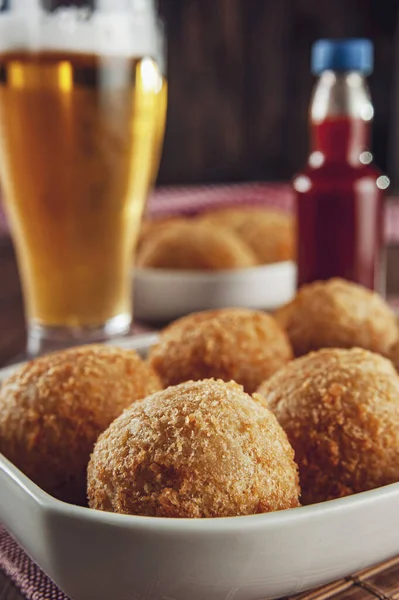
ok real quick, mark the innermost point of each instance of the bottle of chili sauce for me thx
(340, 193)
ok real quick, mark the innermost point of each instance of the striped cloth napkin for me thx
(189, 200)
(193, 199)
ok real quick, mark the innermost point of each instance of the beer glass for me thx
(82, 113)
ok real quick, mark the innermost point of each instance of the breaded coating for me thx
(52, 410)
(269, 233)
(151, 227)
(193, 245)
(340, 410)
(338, 314)
(232, 343)
(199, 449)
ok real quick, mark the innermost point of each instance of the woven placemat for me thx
(380, 581)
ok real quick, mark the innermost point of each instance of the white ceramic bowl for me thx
(93, 555)
(163, 295)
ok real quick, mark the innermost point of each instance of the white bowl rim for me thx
(201, 525)
(221, 274)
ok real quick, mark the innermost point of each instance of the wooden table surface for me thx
(12, 333)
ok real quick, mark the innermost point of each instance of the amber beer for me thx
(80, 139)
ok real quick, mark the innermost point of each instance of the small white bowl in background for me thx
(163, 295)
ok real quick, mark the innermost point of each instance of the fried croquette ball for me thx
(52, 410)
(340, 410)
(197, 246)
(151, 227)
(338, 314)
(232, 343)
(269, 233)
(199, 449)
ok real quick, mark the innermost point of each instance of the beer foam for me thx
(106, 31)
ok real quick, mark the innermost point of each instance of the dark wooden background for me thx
(240, 83)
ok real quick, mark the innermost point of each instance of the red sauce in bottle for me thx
(340, 193)
(339, 206)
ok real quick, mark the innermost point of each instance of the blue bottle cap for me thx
(342, 55)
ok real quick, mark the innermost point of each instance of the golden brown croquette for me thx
(340, 410)
(194, 245)
(151, 227)
(199, 449)
(338, 314)
(269, 233)
(233, 343)
(52, 410)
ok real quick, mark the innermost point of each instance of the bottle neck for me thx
(340, 117)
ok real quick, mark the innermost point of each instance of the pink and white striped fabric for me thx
(190, 200)
(27, 576)
(194, 199)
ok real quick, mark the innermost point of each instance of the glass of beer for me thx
(82, 114)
